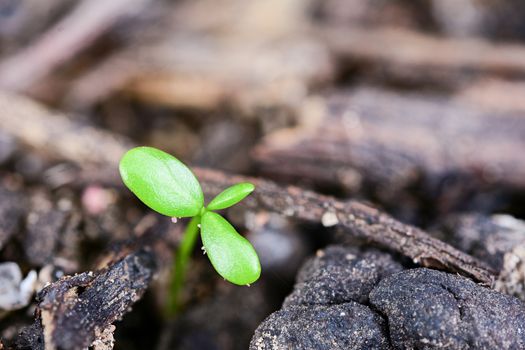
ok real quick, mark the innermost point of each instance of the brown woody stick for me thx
(88, 21)
(407, 54)
(356, 218)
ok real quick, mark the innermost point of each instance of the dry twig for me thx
(410, 55)
(357, 219)
(88, 21)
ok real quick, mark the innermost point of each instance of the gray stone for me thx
(281, 246)
(15, 291)
(428, 309)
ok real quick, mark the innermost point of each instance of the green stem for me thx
(180, 265)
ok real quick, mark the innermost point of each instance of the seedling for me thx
(169, 187)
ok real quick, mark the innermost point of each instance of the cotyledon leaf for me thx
(232, 255)
(230, 196)
(162, 182)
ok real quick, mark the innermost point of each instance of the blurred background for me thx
(417, 107)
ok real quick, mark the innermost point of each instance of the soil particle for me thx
(344, 326)
(325, 310)
(340, 274)
(347, 298)
(428, 309)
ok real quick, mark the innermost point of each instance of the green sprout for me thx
(169, 187)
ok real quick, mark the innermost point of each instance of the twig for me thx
(54, 134)
(89, 20)
(413, 55)
(357, 219)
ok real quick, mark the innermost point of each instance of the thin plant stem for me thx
(180, 265)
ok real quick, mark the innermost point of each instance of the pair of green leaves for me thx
(169, 187)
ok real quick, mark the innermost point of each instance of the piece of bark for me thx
(54, 134)
(494, 94)
(73, 311)
(31, 338)
(353, 216)
(394, 145)
(410, 56)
